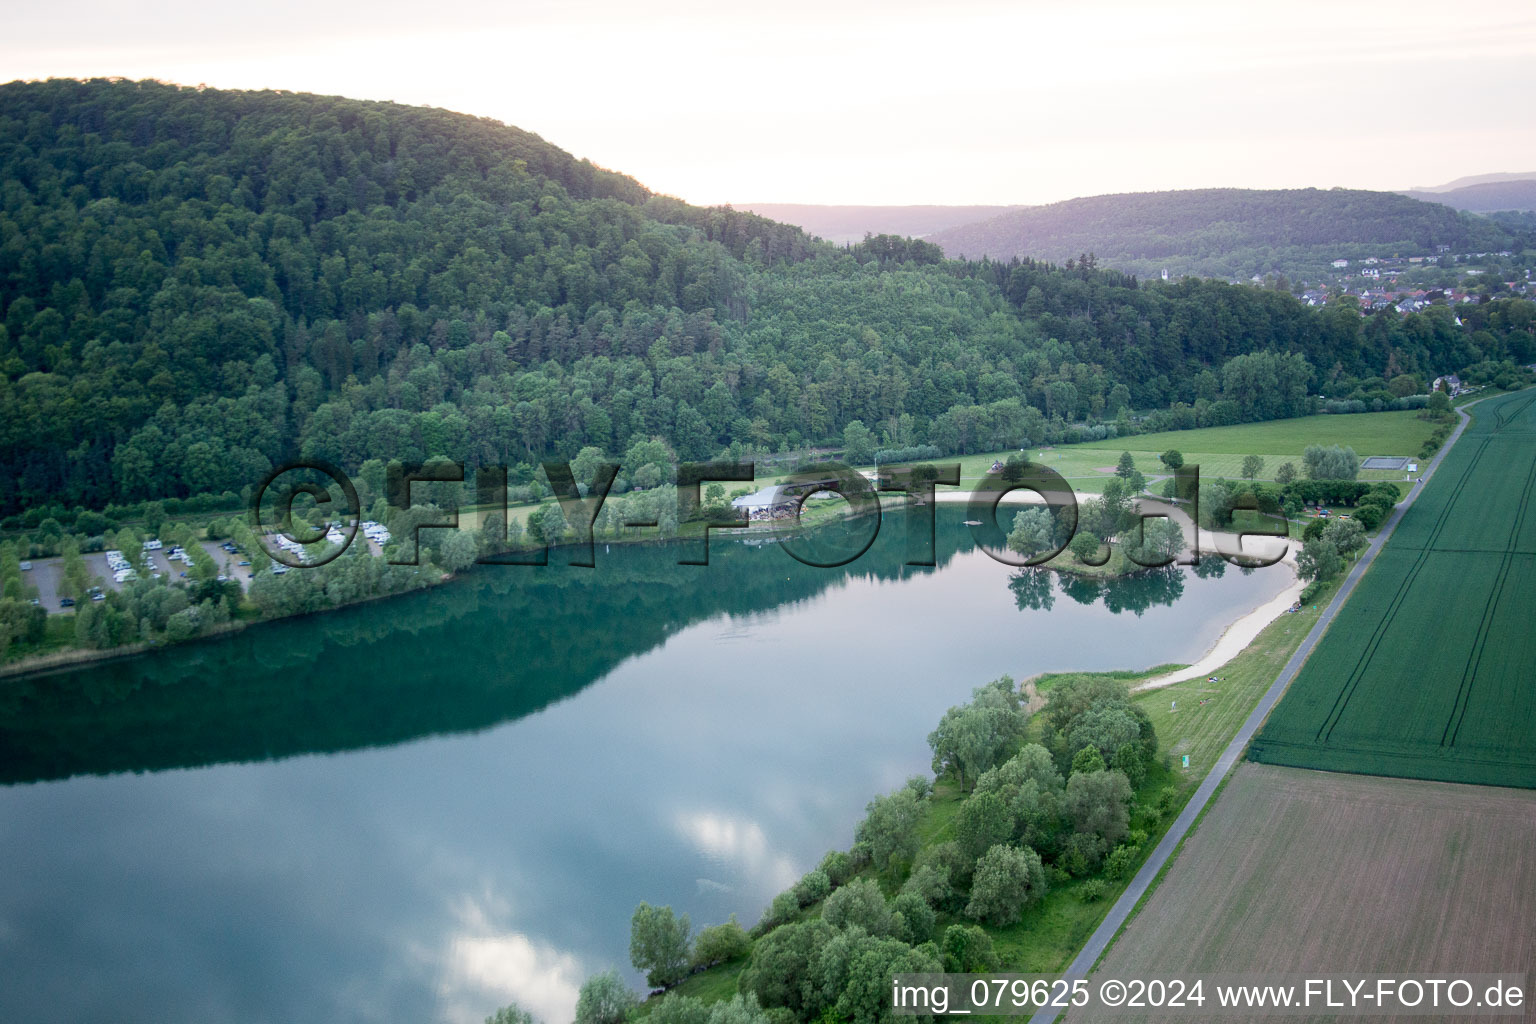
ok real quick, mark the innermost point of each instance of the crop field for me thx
(1295, 871)
(1429, 671)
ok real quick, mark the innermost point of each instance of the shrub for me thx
(967, 950)
(982, 822)
(813, 887)
(928, 884)
(1371, 516)
(1092, 891)
(673, 1008)
(1008, 879)
(955, 868)
(1088, 760)
(604, 999)
(720, 943)
(913, 919)
(512, 1014)
(781, 911)
(781, 961)
(1129, 760)
(1120, 861)
(861, 903)
(1081, 854)
(658, 945)
(837, 866)
(889, 828)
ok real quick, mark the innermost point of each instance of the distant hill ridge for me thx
(1202, 229)
(851, 223)
(1485, 197)
(1472, 179)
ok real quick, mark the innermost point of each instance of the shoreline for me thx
(73, 657)
(1234, 640)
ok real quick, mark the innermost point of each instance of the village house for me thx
(1450, 384)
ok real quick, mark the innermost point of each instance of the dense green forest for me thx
(198, 284)
(1228, 232)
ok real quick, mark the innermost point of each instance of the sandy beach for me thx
(1244, 629)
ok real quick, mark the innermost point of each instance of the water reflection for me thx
(493, 647)
(418, 809)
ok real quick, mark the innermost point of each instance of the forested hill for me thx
(198, 284)
(1226, 231)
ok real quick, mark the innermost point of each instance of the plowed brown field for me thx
(1302, 871)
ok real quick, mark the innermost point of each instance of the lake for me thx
(422, 808)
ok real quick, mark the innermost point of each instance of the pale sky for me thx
(883, 103)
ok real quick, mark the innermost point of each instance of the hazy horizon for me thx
(982, 103)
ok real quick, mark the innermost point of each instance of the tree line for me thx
(199, 284)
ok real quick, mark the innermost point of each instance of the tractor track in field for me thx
(1503, 416)
(1490, 609)
(1341, 702)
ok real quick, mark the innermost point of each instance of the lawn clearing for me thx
(1430, 670)
(1298, 871)
(1368, 433)
(1219, 451)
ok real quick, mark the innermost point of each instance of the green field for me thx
(1430, 670)
(1219, 451)
(1368, 433)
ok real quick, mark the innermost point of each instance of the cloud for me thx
(741, 844)
(484, 969)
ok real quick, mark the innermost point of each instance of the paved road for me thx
(1099, 941)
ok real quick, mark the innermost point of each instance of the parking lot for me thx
(46, 573)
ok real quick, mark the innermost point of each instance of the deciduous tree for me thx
(658, 944)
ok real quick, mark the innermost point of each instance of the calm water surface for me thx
(423, 808)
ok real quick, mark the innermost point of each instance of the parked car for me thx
(66, 602)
